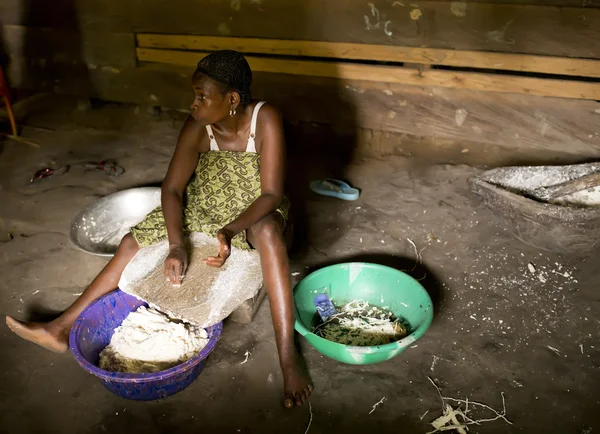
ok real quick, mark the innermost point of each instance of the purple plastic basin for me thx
(93, 330)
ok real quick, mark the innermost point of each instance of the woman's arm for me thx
(180, 171)
(272, 172)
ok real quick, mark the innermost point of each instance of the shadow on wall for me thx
(43, 48)
(4, 60)
(318, 150)
(4, 63)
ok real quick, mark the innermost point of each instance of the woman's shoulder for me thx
(194, 136)
(268, 113)
(269, 127)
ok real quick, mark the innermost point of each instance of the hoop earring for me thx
(232, 112)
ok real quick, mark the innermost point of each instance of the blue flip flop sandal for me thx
(334, 188)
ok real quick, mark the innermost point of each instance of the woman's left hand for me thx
(224, 236)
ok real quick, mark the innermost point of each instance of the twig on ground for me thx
(21, 139)
(310, 419)
(35, 127)
(377, 404)
(554, 350)
(449, 414)
(417, 256)
(247, 354)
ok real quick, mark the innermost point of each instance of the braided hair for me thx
(230, 70)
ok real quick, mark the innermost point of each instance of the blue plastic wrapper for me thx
(324, 306)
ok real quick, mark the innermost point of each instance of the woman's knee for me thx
(267, 229)
(128, 243)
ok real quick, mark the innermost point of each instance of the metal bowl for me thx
(99, 228)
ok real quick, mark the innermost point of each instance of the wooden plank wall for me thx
(89, 47)
(379, 53)
(420, 75)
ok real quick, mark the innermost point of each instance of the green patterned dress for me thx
(223, 186)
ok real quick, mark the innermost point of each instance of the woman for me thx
(229, 160)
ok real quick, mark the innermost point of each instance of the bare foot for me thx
(296, 382)
(37, 333)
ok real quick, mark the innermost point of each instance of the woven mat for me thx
(207, 295)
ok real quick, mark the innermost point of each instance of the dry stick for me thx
(35, 127)
(247, 354)
(501, 415)
(309, 420)
(377, 404)
(438, 390)
(462, 401)
(467, 418)
(21, 139)
(457, 424)
(418, 259)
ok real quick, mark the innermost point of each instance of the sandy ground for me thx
(498, 328)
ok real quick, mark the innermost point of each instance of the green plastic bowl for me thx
(380, 286)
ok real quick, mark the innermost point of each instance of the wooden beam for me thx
(381, 53)
(564, 3)
(393, 74)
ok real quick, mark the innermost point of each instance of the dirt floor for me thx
(498, 328)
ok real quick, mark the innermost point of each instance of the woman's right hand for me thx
(176, 264)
